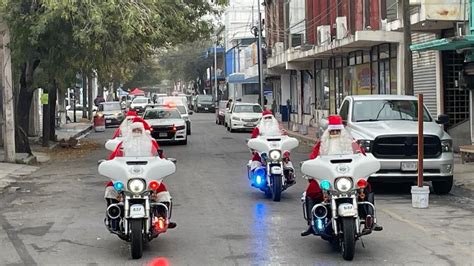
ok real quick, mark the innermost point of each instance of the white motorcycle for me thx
(345, 215)
(135, 216)
(273, 177)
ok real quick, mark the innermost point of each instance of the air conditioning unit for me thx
(341, 27)
(324, 34)
(279, 47)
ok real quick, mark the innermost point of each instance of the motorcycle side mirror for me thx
(100, 161)
(173, 160)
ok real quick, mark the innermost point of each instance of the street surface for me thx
(56, 217)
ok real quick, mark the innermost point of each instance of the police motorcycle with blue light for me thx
(270, 169)
(138, 204)
(339, 203)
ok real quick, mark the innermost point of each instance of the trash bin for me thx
(284, 113)
(99, 123)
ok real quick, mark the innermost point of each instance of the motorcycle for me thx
(135, 216)
(273, 177)
(346, 214)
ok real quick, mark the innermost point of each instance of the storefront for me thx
(371, 71)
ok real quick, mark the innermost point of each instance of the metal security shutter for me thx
(424, 72)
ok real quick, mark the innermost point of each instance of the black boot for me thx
(370, 211)
(309, 203)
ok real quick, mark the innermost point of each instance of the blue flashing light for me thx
(258, 180)
(118, 186)
(325, 185)
(319, 225)
(259, 177)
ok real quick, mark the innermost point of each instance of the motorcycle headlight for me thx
(446, 145)
(365, 144)
(136, 186)
(343, 184)
(275, 155)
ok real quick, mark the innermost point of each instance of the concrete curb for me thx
(83, 132)
(303, 139)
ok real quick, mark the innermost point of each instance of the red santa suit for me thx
(266, 127)
(327, 145)
(138, 145)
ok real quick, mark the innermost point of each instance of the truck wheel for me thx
(443, 187)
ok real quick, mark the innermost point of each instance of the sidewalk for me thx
(9, 172)
(463, 173)
(73, 130)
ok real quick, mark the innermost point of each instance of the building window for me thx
(322, 89)
(294, 93)
(393, 76)
(384, 77)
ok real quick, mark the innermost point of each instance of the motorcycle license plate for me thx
(163, 135)
(137, 211)
(409, 166)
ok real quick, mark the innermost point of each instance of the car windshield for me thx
(247, 109)
(205, 99)
(140, 100)
(162, 114)
(181, 109)
(110, 107)
(377, 110)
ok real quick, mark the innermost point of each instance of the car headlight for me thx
(236, 118)
(100, 115)
(136, 186)
(343, 184)
(275, 155)
(365, 144)
(199, 104)
(446, 145)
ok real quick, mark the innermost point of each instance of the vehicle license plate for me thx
(409, 166)
(249, 125)
(163, 134)
(205, 108)
(108, 121)
(137, 210)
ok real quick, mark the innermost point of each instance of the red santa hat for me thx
(335, 123)
(132, 113)
(266, 113)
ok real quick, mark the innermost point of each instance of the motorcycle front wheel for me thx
(348, 238)
(136, 238)
(276, 187)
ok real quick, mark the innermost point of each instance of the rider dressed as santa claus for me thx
(130, 118)
(336, 140)
(138, 144)
(269, 126)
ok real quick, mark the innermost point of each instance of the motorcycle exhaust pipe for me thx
(319, 211)
(114, 211)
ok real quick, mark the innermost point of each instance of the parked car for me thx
(243, 116)
(387, 126)
(220, 112)
(113, 113)
(181, 105)
(167, 123)
(204, 103)
(139, 103)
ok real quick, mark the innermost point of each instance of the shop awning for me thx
(445, 44)
(240, 78)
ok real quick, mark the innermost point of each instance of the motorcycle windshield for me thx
(267, 143)
(330, 167)
(147, 168)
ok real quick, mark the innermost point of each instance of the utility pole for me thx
(408, 65)
(215, 70)
(9, 126)
(259, 53)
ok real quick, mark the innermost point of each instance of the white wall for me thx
(238, 19)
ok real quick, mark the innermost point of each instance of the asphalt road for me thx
(56, 217)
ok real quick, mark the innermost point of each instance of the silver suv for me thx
(387, 127)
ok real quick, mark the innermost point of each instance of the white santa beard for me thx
(137, 147)
(334, 146)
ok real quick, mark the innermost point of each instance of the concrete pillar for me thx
(439, 84)
(35, 126)
(401, 69)
(471, 114)
(8, 102)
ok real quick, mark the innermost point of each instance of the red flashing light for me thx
(159, 224)
(171, 105)
(362, 183)
(153, 185)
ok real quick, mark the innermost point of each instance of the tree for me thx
(106, 36)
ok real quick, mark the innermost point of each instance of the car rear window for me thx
(247, 109)
(162, 114)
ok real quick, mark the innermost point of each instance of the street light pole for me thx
(259, 53)
(215, 69)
